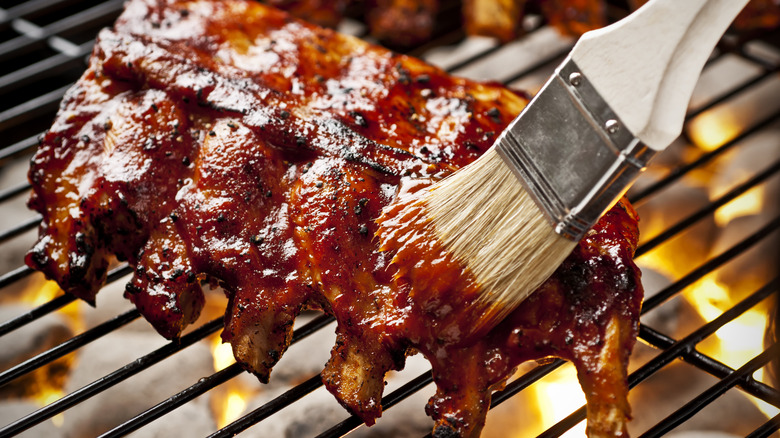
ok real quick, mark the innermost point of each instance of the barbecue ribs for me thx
(406, 23)
(226, 142)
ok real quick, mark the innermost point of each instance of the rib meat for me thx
(503, 19)
(226, 142)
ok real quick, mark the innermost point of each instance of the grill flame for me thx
(557, 396)
(738, 341)
(712, 129)
(230, 402)
(749, 203)
(742, 338)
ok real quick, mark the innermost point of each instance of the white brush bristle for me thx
(485, 217)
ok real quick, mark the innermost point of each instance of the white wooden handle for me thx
(646, 65)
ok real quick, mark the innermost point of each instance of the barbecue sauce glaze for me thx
(229, 143)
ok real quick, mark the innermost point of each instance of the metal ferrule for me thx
(571, 152)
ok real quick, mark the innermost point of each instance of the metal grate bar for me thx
(498, 397)
(741, 88)
(45, 68)
(68, 346)
(52, 305)
(32, 108)
(28, 225)
(34, 37)
(27, 9)
(291, 396)
(697, 404)
(766, 64)
(649, 335)
(710, 365)
(521, 383)
(685, 349)
(767, 429)
(525, 381)
(13, 192)
(14, 276)
(36, 313)
(553, 57)
(683, 170)
(710, 208)
(687, 345)
(26, 145)
(710, 265)
(204, 385)
(111, 379)
(353, 422)
(473, 58)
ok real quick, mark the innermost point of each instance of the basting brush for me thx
(618, 98)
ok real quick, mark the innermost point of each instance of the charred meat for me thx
(227, 142)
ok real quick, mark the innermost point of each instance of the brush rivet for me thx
(612, 126)
(575, 78)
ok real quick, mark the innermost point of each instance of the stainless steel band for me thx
(572, 152)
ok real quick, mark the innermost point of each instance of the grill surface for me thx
(43, 49)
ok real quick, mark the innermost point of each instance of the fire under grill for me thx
(709, 251)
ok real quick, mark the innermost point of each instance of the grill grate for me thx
(43, 48)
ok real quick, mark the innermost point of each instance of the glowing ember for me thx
(41, 293)
(557, 396)
(708, 297)
(229, 402)
(223, 354)
(49, 395)
(712, 129)
(746, 204)
(235, 404)
(738, 341)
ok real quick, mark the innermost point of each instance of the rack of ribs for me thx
(225, 142)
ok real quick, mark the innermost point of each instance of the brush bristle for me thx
(484, 216)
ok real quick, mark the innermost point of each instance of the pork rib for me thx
(226, 142)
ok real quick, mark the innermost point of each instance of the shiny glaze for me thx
(226, 142)
(586, 313)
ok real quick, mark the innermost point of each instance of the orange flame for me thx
(230, 404)
(48, 395)
(712, 129)
(748, 203)
(739, 340)
(38, 295)
(557, 396)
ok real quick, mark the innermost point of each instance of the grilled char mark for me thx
(147, 62)
(163, 287)
(235, 145)
(68, 249)
(80, 268)
(99, 154)
(263, 57)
